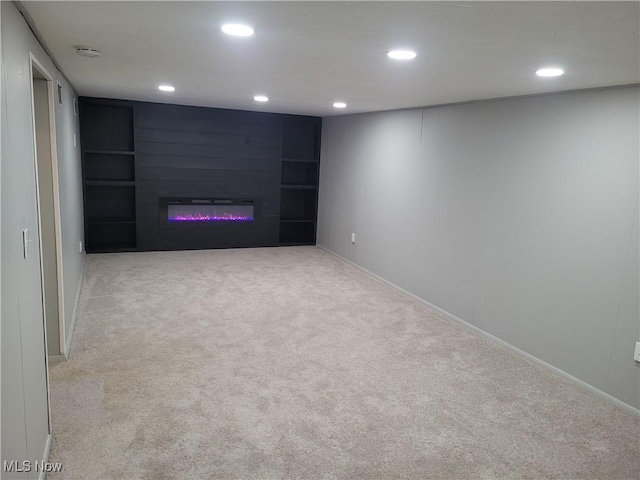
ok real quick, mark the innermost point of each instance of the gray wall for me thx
(24, 388)
(47, 215)
(519, 216)
(71, 203)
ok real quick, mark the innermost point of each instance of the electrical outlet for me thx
(353, 238)
(75, 142)
(636, 354)
(80, 246)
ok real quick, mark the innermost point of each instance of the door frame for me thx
(34, 63)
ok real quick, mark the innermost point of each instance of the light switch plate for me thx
(25, 243)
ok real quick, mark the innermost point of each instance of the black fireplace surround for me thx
(173, 177)
(186, 221)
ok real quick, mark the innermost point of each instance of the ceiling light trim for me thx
(549, 72)
(402, 54)
(237, 29)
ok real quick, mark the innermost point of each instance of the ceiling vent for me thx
(89, 52)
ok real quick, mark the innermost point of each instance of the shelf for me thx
(107, 128)
(111, 236)
(299, 181)
(114, 165)
(299, 187)
(299, 173)
(297, 220)
(301, 138)
(110, 183)
(111, 152)
(295, 233)
(109, 170)
(99, 220)
(299, 160)
(110, 200)
(298, 204)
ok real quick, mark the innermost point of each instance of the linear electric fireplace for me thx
(206, 211)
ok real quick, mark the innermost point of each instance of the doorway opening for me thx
(48, 201)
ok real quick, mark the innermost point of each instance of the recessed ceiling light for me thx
(166, 88)
(261, 98)
(339, 105)
(549, 72)
(402, 54)
(237, 30)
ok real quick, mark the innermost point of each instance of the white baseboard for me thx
(585, 386)
(56, 358)
(45, 457)
(74, 315)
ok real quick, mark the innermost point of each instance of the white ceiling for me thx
(306, 55)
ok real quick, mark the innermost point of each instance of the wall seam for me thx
(24, 398)
(620, 292)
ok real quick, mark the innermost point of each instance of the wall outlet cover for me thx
(636, 354)
(353, 238)
(80, 246)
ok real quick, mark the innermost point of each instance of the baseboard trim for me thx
(74, 314)
(56, 358)
(45, 457)
(580, 383)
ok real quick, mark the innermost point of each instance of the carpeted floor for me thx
(289, 363)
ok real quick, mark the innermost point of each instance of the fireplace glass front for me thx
(210, 213)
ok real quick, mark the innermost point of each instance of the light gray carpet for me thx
(289, 363)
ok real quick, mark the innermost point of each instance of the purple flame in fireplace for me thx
(210, 213)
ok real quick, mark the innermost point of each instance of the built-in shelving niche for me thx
(299, 180)
(108, 155)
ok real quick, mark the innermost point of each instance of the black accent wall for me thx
(135, 154)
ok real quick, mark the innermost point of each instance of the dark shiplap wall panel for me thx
(207, 153)
(207, 138)
(207, 175)
(210, 151)
(197, 162)
(189, 119)
(149, 192)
